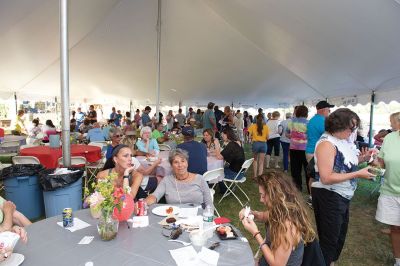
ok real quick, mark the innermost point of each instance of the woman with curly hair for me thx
(336, 174)
(288, 226)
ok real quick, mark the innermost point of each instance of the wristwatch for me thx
(126, 176)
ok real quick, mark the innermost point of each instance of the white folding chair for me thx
(234, 183)
(93, 168)
(4, 165)
(76, 161)
(211, 176)
(25, 160)
(164, 147)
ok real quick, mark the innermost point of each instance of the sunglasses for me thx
(118, 136)
(353, 129)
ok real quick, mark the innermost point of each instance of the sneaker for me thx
(277, 166)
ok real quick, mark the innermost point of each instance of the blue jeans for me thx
(229, 174)
(259, 147)
(285, 149)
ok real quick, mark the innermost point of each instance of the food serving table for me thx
(50, 244)
(48, 156)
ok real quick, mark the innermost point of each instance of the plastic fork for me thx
(179, 241)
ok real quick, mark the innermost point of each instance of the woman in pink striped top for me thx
(297, 132)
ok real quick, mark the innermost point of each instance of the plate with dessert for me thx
(165, 210)
(226, 232)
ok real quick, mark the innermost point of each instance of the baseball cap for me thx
(324, 104)
(188, 131)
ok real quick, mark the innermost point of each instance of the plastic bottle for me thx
(208, 218)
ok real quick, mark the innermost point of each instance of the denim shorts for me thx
(259, 147)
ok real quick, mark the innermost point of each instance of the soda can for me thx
(140, 207)
(67, 217)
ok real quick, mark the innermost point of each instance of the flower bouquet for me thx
(102, 202)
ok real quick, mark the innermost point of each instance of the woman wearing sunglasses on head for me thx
(336, 162)
(121, 164)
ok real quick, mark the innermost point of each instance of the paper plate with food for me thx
(165, 210)
(226, 232)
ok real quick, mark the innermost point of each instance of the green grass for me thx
(365, 244)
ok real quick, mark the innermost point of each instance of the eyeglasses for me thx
(118, 136)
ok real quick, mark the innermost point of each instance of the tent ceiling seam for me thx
(265, 54)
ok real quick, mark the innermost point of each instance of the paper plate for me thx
(14, 260)
(162, 210)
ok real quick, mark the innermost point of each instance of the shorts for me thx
(388, 210)
(259, 147)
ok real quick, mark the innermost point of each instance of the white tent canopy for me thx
(249, 52)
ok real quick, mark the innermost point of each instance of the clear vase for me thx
(95, 212)
(107, 227)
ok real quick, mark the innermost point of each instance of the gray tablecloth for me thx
(50, 244)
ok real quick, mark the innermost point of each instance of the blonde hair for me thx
(276, 114)
(287, 205)
(395, 116)
(130, 141)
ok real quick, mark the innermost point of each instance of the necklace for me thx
(182, 179)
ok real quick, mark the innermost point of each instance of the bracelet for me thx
(256, 233)
(126, 176)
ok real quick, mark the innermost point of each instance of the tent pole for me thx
(130, 108)
(371, 119)
(16, 104)
(158, 58)
(64, 68)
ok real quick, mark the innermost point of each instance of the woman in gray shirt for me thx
(182, 186)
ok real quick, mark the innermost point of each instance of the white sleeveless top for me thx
(346, 161)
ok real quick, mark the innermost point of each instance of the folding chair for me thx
(234, 183)
(164, 147)
(76, 161)
(211, 176)
(93, 168)
(25, 160)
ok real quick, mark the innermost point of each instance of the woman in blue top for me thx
(146, 144)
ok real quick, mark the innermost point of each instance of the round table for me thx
(20, 139)
(50, 244)
(48, 156)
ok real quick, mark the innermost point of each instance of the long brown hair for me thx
(286, 205)
(260, 124)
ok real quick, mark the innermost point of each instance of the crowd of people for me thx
(324, 148)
